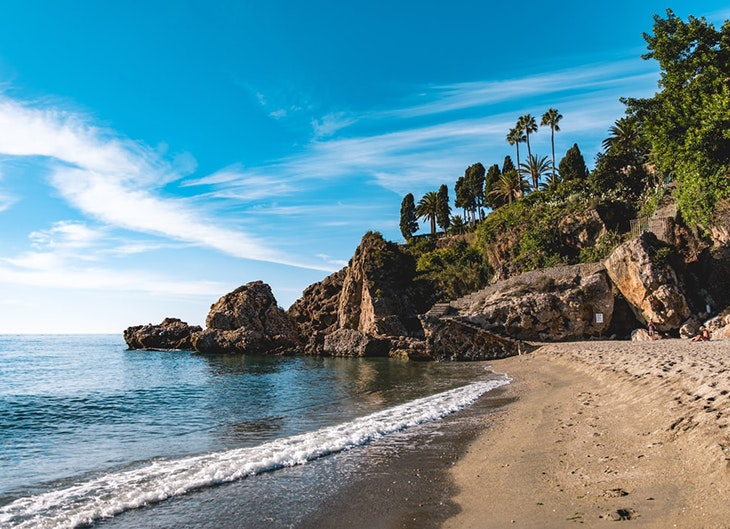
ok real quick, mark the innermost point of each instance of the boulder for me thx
(641, 270)
(452, 338)
(553, 304)
(249, 321)
(349, 342)
(641, 335)
(172, 333)
(690, 328)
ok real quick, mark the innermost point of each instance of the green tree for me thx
(493, 174)
(535, 168)
(474, 178)
(408, 219)
(443, 214)
(687, 122)
(528, 125)
(510, 186)
(464, 196)
(573, 165)
(508, 165)
(622, 167)
(458, 226)
(515, 137)
(428, 209)
(551, 118)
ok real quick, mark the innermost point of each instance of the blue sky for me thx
(155, 155)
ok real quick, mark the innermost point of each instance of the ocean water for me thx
(92, 434)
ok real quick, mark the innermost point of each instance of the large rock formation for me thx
(641, 270)
(247, 320)
(554, 304)
(375, 295)
(172, 333)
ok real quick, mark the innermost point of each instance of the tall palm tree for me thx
(515, 137)
(511, 185)
(536, 168)
(551, 119)
(624, 136)
(528, 125)
(428, 208)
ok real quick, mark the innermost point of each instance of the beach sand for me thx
(601, 432)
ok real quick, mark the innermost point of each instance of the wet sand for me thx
(602, 432)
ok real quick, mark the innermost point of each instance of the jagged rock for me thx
(375, 295)
(554, 304)
(379, 296)
(453, 339)
(690, 327)
(719, 326)
(720, 226)
(247, 320)
(408, 348)
(641, 270)
(172, 333)
(349, 342)
(641, 335)
(315, 313)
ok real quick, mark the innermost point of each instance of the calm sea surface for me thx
(94, 434)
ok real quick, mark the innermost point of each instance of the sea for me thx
(93, 434)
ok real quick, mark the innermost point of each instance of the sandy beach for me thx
(601, 432)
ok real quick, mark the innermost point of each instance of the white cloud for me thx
(114, 180)
(66, 235)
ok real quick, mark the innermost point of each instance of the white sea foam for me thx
(114, 493)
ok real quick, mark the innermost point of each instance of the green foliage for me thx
(687, 123)
(573, 165)
(428, 208)
(456, 270)
(493, 175)
(604, 246)
(408, 219)
(443, 214)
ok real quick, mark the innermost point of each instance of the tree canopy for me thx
(687, 123)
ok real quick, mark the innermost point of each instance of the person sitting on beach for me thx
(702, 336)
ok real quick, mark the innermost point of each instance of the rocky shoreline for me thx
(377, 306)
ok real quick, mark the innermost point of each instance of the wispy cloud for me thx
(115, 180)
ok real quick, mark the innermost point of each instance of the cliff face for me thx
(375, 295)
(562, 303)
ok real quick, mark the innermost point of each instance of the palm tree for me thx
(428, 208)
(624, 138)
(458, 226)
(527, 124)
(510, 185)
(551, 182)
(515, 137)
(551, 119)
(536, 168)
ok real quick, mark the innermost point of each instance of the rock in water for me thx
(172, 333)
(247, 320)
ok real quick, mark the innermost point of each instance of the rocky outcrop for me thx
(641, 270)
(172, 333)
(554, 304)
(315, 314)
(349, 342)
(451, 338)
(376, 295)
(247, 320)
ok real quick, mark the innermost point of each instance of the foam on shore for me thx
(111, 494)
